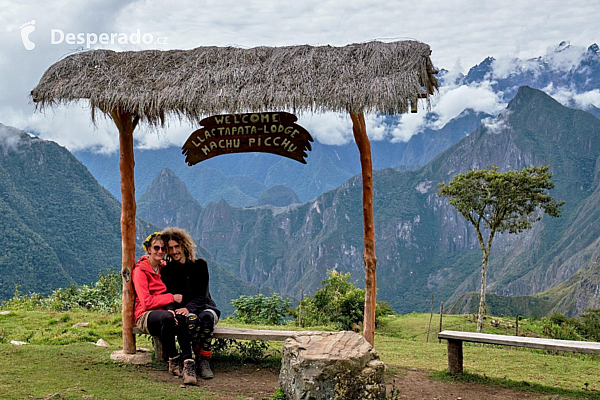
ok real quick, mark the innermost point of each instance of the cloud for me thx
(328, 128)
(499, 124)
(409, 125)
(571, 98)
(587, 99)
(452, 101)
(502, 67)
(175, 133)
(10, 138)
(459, 34)
(448, 104)
(565, 57)
(377, 129)
(70, 127)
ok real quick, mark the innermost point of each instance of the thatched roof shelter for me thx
(369, 77)
(151, 85)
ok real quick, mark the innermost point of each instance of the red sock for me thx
(205, 353)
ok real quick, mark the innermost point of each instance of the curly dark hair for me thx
(183, 238)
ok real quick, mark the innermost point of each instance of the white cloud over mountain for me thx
(460, 34)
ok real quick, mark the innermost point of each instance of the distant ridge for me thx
(423, 246)
(60, 227)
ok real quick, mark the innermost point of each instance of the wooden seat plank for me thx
(222, 332)
(455, 339)
(251, 334)
(521, 341)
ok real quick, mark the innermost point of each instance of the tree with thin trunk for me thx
(496, 202)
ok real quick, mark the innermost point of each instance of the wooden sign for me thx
(268, 132)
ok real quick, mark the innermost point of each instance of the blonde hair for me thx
(151, 239)
(183, 238)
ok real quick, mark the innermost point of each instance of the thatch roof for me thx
(191, 84)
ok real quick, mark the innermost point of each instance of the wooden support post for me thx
(455, 357)
(159, 352)
(126, 124)
(441, 315)
(359, 129)
(300, 306)
(430, 318)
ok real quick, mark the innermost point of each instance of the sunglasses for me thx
(158, 248)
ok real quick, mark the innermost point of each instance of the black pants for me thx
(201, 329)
(161, 323)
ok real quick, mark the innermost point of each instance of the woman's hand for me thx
(177, 298)
(175, 319)
(183, 311)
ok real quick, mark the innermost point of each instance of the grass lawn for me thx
(401, 341)
(60, 358)
(79, 370)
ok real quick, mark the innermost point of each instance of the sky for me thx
(461, 34)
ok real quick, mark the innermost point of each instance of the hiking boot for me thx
(204, 369)
(175, 365)
(189, 372)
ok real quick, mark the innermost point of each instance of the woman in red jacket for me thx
(152, 317)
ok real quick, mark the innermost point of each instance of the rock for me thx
(4, 312)
(102, 342)
(17, 343)
(140, 357)
(331, 365)
(81, 325)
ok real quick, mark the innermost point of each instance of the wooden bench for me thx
(222, 332)
(455, 350)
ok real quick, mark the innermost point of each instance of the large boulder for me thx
(331, 365)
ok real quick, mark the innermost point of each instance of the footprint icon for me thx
(26, 29)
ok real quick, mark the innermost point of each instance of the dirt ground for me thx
(251, 382)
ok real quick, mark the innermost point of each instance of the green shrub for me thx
(564, 332)
(255, 351)
(261, 309)
(33, 301)
(588, 324)
(558, 326)
(383, 309)
(104, 295)
(558, 318)
(337, 303)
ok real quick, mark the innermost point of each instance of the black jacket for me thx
(192, 282)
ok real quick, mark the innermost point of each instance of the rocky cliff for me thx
(423, 246)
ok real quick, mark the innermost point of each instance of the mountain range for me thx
(57, 220)
(423, 246)
(267, 224)
(63, 226)
(569, 73)
(565, 69)
(241, 179)
(60, 227)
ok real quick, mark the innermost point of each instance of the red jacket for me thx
(150, 291)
